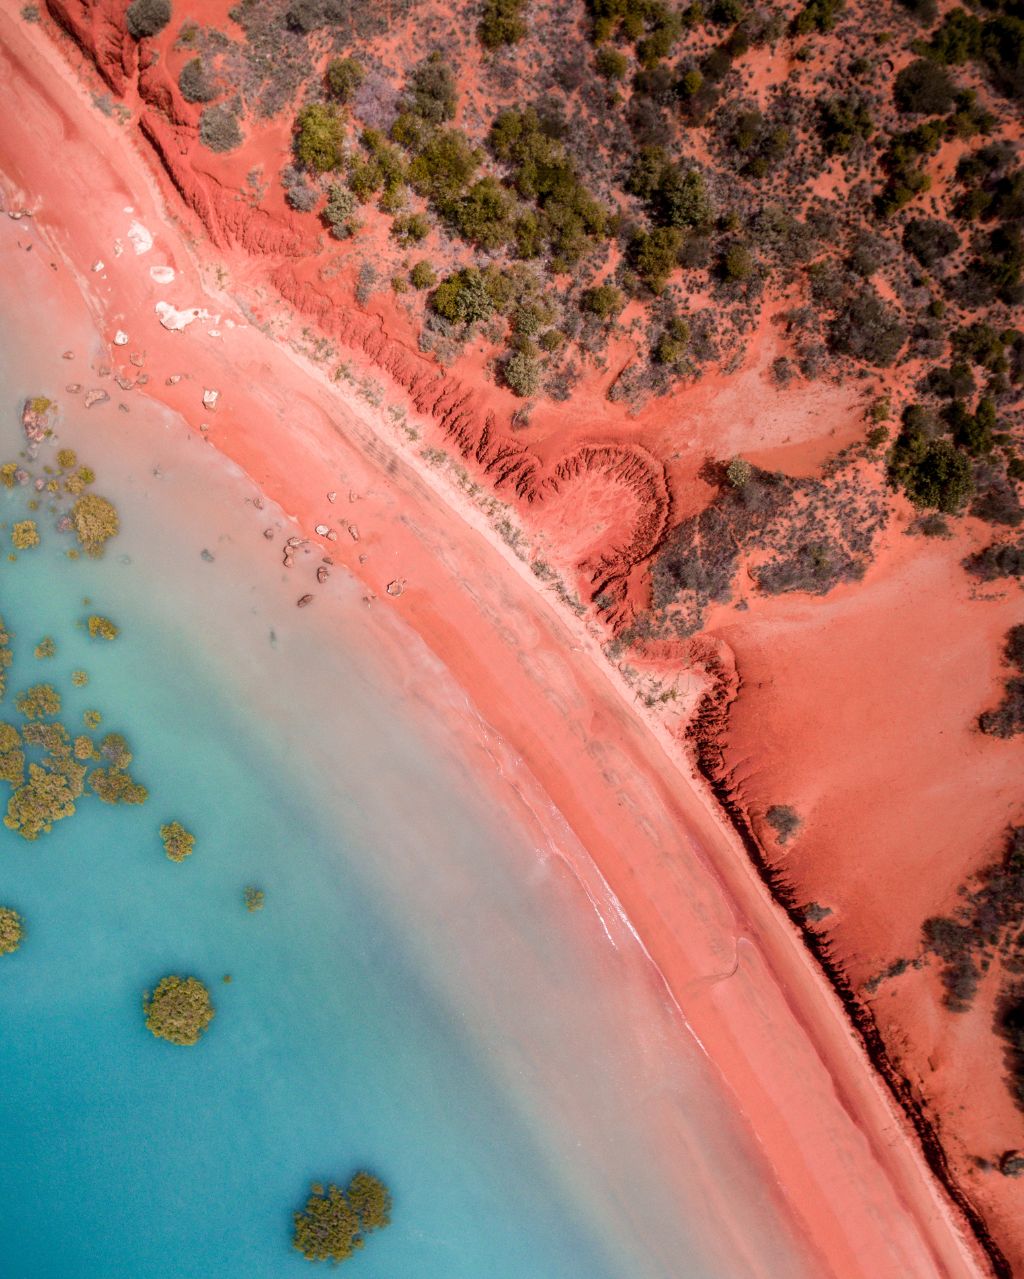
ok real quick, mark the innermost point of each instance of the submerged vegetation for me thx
(179, 1010)
(334, 1222)
(254, 898)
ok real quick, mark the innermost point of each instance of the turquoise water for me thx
(427, 994)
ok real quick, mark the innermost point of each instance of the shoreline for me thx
(583, 705)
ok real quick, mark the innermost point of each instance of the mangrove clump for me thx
(179, 1010)
(178, 843)
(333, 1224)
(95, 521)
(12, 930)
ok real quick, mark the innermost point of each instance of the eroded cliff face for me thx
(625, 482)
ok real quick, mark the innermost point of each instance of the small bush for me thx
(738, 263)
(319, 137)
(195, 84)
(464, 297)
(219, 130)
(867, 329)
(302, 197)
(410, 228)
(521, 374)
(422, 276)
(344, 76)
(605, 301)
(102, 628)
(432, 93)
(179, 1010)
(502, 22)
(611, 64)
(254, 898)
(147, 17)
(338, 211)
(924, 88)
(929, 240)
(784, 820)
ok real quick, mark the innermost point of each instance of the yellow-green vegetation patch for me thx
(8, 474)
(95, 521)
(67, 459)
(178, 842)
(334, 1222)
(24, 535)
(102, 628)
(46, 647)
(254, 898)
(38, 702)
(113, 783)
(79, 679)
(39, 404)
(179, 1010)
(92, 719)
(85, 748)
(12, 930)
(48, 796)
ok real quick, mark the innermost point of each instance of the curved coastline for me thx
(666, 855)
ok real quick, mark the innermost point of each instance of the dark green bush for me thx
(194, 82)
(817, 15)
(147, 17)
(344, 76)
(502, 22)
(333, 1223)
(924, 88)
(654, 255)
(521, 373)
(422, 276)
(432, 95)
(843, 121)
(611, 64)
(464, 297)
(929, 240)
(867, 329)
(605, 301)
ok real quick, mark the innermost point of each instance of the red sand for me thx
(845, 1162)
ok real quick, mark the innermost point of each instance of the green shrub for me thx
(605, 300)
(95, 521)
(443, 167)
(672, 343)
(422, 276)
(432, 94)
(924, 88)
(179, 1010)
(338, 211)
(483, 215)
(737, 263)
(521, 373)
(654, 255)
(178, 842)
(219, 130)
(410, 228)
(867, 329)
(319, 136)
(929, 240)
(344, 76)
(843, 121)
(933, 473)
(502, 22)
(817, 15)
(12, 930)
(147, 17)
(41, 701)
(611, 64)
(464, 297)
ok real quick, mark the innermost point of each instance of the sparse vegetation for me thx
(219, 129)
(784, 821)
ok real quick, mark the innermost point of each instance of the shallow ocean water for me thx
(427, 993)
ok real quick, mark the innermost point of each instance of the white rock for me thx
(321, 530)
(176, 320)
(332, 496)
(210, 399)
(141, 237)
(118, 248)
(120, 338)
(162, 274)
(98, 265)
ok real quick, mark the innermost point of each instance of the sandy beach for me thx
(544, 703)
